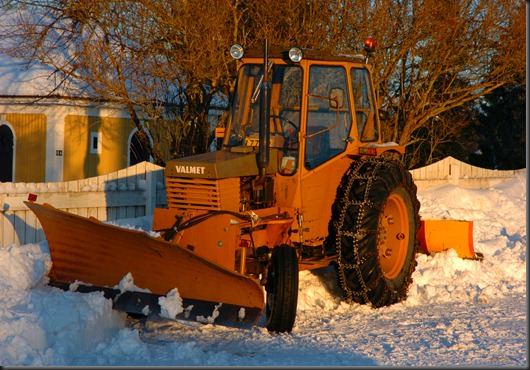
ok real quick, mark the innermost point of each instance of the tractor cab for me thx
(318, 106)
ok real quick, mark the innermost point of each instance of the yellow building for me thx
(52, 137)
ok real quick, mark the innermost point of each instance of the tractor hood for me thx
(220, 164)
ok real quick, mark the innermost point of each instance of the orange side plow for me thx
(440, 235)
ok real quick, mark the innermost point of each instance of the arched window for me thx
(137, 149)
(7, 150)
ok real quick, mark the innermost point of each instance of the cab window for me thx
(364, 105)
(328, 114)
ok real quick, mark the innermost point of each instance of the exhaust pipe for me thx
(264, 118)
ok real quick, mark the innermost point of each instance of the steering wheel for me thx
(289, 130)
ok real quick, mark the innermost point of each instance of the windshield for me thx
(285, 94)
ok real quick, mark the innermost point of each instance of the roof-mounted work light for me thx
(295, 54)
(237, 51)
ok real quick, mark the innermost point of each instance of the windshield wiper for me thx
(255, 94)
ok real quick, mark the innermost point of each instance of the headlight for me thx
(237, 51)
(295, 54)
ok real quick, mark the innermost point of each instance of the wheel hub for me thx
(393, 236)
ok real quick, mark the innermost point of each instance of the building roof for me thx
(17, 79)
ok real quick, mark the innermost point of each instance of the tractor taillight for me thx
(368, 151)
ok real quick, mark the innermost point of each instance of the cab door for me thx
(326, 138)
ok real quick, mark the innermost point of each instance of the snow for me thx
(19, 79)
(458, 312)
(29, 78)
(171, 304)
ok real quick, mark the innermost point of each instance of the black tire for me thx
(373, 230)
(282, 289)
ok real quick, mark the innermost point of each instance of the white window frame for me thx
(96, 149)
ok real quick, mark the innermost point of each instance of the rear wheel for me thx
(373, 230)
(282, 289)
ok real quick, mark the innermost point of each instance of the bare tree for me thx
(193, 39)
(167, 62)
(433, 56)
(437, 55)
(150, 57)
(93, 52)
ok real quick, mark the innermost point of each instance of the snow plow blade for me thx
(440, 235)
(147, 304)
(97, 256)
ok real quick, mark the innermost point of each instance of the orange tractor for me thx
(301, 181)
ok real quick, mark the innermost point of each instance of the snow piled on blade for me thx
(210, 319)
(127, 284)
(171, 304)
(458, 312)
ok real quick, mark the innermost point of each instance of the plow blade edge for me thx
(99, 255)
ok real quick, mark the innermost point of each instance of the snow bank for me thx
(40, 324)
(458, 312)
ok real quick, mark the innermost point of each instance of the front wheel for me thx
(373, 230)
(282, 289)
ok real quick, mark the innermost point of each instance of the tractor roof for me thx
(308, 54)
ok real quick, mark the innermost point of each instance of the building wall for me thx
(60, 140)
(95, 145)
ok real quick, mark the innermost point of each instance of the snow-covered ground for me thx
(458, 313)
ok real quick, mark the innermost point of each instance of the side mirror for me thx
(336, 98)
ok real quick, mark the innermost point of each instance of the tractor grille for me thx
(204, 194)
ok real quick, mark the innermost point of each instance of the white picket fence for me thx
(129, 193)
(137, 190)
(452, 171)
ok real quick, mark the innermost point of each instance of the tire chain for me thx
(350, 178)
